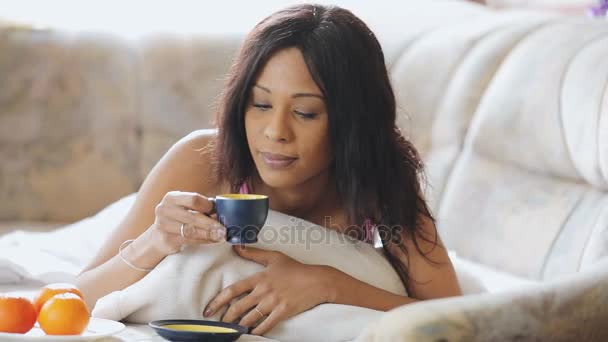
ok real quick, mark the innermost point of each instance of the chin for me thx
(278, 179)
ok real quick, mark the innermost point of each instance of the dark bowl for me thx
(173, 334)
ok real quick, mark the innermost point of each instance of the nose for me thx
(278, 128)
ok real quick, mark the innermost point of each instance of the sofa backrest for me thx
(68, 118)
(85, 116)
(511, 114)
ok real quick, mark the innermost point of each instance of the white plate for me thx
(97, 328)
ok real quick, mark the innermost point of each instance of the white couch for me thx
(509, 110)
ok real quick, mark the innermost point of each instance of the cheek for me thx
(317, 147)
(248, 122)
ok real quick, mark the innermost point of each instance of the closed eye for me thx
(262, 106)
(265, 107)
(306, 116)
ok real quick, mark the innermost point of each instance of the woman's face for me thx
(286, 123)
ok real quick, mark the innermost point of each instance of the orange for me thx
(64, 314)
(50, 290)
(17, 314)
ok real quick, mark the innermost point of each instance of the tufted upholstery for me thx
(513, 128)
(68, 118)
(84, 117)
(508, 109)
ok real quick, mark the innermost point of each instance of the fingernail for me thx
(207, 313)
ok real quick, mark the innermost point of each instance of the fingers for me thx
(241, 306)
(199, 225)
(253, 316)
(173, 211)
(261, 256)
(191, 200)
(190, 234)
(269, 322)
(202, 233)
(228, 294)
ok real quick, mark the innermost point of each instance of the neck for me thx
(312, 200)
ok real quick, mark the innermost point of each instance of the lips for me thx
(276, 156)
(276, 160)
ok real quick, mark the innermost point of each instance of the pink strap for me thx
(244, 188)
(369, 231)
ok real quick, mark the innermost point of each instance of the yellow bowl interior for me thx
(199, 328)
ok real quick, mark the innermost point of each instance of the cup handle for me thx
(212, 200)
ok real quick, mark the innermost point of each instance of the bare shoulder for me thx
(186, 166)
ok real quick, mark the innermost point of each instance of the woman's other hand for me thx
(284, 289)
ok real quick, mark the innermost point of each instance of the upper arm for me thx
(431, 273)
(183, 168)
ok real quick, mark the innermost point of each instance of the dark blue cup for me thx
(243, 215)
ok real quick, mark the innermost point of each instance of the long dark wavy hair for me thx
(380, 172)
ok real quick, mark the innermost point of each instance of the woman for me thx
(307, 117)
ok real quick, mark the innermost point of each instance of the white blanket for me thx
(182, 284)
(60, 254)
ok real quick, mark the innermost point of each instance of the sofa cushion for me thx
(440, 78)
(179, 80)
(527, 193)
(67, 124)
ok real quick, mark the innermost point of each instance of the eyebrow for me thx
(294, 95)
